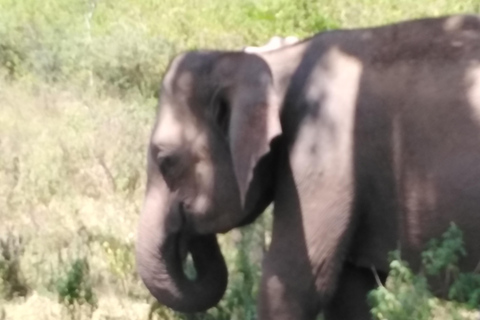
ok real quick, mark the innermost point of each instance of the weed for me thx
(12, 282)
(75, 288)
(407, 295)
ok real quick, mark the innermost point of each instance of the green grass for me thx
(78, 80)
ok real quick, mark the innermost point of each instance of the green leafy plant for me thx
(466, 290)
(443, 254)
(75, 288)
(441, 258)
(407, 295)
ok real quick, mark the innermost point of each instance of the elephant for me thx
(364, 141)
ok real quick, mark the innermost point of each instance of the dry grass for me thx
(76, 107)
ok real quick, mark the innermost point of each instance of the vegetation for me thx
(78, 86)
(408, 296)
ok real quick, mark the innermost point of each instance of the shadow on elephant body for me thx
(287, 287)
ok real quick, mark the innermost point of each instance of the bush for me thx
(75, 288)
(124, 49)
(408, 296)
(12, 281)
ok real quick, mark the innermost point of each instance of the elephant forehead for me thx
(172, 71)
(177, 128)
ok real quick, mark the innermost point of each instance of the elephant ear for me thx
(254, 120)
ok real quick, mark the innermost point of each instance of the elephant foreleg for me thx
(314, 219)
(285, 295)
(350, 299)
(302, 265)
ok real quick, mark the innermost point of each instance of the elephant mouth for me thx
(180, 221)
(186, 214)
(186, 234)
(197, 220)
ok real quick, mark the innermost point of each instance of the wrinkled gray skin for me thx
(365, 141)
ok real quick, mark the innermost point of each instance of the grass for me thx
(68, 186)
(78, 82)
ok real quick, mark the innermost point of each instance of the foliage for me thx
(466, 289)
(75, 287)
(444, 254)
(122, 48)
(441, 257)
(12, 282)
(407, 295)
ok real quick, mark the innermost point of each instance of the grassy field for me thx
(78, 81)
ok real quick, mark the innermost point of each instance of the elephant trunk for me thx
(160, 260)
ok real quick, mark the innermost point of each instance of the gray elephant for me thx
(364, 140)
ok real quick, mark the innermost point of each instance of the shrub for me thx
(75, 288)
(12, 282)
(408, 296)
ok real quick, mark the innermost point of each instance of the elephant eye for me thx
(168, 164)
(172, 171)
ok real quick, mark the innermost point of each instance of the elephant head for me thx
(217, 115)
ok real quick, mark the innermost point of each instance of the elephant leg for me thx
(350, 299)
(284, 297)
(311, 232)
(301, 268)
